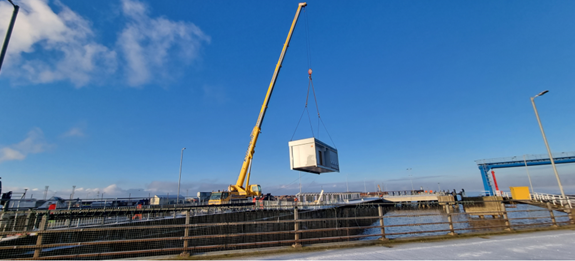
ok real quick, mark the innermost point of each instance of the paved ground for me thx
(557, 245)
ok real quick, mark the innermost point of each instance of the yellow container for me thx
(520, 193)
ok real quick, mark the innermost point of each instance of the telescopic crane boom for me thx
(255, 190)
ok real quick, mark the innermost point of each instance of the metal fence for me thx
(554, 199)
(189, 230)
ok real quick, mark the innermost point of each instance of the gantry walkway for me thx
(519, 161)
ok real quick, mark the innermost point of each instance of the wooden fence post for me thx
(296, 227)
(551, 214)
(186, 234)
(27, 220)
(380, 210)
(40, 236)
(507, 223)
(450, 220)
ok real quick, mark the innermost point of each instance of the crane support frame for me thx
(485, 167)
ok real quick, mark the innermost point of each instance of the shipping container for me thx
(312, 155)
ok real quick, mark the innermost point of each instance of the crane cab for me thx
(256, 190)
(218, 198)
(222, 198)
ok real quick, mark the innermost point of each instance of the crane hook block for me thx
(309, 72)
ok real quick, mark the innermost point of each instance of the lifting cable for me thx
(310, 83)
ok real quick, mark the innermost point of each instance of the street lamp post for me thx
(409, 169)
(346, 184)
(180, 178)
(8, 33)
(547, 144)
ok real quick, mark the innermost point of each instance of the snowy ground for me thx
(557, 245)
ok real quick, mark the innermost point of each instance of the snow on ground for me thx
(555, 245)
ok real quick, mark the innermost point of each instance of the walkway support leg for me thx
(551, 214)
(450, 220)
(570, 212)
(507, 223)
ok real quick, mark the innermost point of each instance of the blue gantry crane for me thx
(485, 165)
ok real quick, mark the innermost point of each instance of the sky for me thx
(104, 95)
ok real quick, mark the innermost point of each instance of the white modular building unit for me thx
(312, 155)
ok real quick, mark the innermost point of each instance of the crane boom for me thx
(256, 131)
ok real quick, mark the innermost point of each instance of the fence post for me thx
(450, 220)
(551, 214)
(40, 235)
(380, 210)
(507, 223)
(68, 220)
(186, 253)
(27, 220)
(296, 227)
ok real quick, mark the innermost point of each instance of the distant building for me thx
(166, 199)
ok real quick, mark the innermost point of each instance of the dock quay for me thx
(190, 230)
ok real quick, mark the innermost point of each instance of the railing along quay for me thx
(554, 199)
(258, 226)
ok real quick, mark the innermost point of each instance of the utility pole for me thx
(46, 192)
(73, 190)
(410, 179)
(180, 178)
(9, 32)
(300, 182)
(346, 183)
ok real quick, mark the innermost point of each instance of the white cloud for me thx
(146, 42)
(215, 94)
(33, 143)
(74, 132)
(48, 46)
(62, 45)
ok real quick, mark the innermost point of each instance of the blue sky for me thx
(103, 95)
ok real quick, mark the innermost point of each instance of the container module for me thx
(520, 193)
(312, 155)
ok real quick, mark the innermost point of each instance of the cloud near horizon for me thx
(32, 144)
(48, 46)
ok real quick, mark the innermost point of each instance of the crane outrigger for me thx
(239, 191)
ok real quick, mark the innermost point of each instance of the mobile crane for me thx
(238, 191)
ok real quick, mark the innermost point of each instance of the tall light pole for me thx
(528, 176)
(346, 184)
(180, 178)
(8, 32)
(300, 182)
(73, 190)
(547, 144)
(438, 187)
(409, 169)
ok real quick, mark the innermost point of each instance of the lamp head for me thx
(541, 93)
